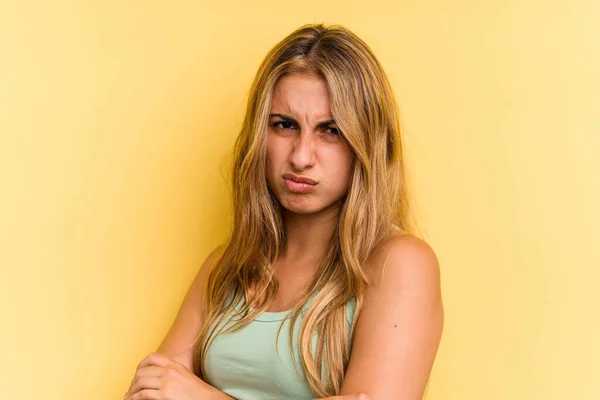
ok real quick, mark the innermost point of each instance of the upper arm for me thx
(177, 344)
(399, 329)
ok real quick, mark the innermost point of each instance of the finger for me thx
(151, 370)
(145, 382)
(146, 394)
(155, 359)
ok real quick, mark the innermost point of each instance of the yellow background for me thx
(117, 119)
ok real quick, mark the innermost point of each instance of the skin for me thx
(298, 142)
(400, 326)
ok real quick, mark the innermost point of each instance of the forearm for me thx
(216, 394)
(356, 396)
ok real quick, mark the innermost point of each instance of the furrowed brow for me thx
(284, 117)
(287, 118)
(325, 124)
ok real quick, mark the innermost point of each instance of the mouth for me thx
(300, 179)
(299, 184)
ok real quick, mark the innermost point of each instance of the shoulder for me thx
(178, 343)
(405, 259)
(400, 324)
(211, 259)
(194, 298)
(403, 279)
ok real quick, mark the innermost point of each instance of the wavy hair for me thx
(363, 106)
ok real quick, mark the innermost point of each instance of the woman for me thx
(322, 288)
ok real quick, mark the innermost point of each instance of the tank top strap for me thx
(350, 310)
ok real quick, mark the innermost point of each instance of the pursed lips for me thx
(300, 179)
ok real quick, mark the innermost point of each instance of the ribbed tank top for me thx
(245, 364)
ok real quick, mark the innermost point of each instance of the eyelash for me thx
(277, 126)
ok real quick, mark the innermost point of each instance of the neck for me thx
(308, 235)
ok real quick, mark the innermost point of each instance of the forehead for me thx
(301, 95)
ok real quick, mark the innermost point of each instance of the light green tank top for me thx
(245, 364)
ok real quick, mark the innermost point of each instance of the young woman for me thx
(322, 288)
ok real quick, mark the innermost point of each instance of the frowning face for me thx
(308, 161)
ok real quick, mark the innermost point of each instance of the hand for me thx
(159, 378)
(358, 396)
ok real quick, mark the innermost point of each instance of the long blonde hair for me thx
(363, 106)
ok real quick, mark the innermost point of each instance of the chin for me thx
(299, 207)
(304, 205)
(302, 210)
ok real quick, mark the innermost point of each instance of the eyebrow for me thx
(287, 118)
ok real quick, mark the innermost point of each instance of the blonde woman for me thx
(322, 288)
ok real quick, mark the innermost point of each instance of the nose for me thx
(303, 154)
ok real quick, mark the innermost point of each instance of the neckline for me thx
(272, 316)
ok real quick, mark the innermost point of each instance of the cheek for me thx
(274, 155)
(347, 172)
(339, 165)
(346, 160)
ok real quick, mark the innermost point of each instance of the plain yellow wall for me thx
(117, 119)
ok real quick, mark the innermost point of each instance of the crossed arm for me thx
(394, 346)
(400, 327)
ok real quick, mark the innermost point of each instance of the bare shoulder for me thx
(208, 262)
(196, 290)
(178, 343)
(400, 325)
(404, 257)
